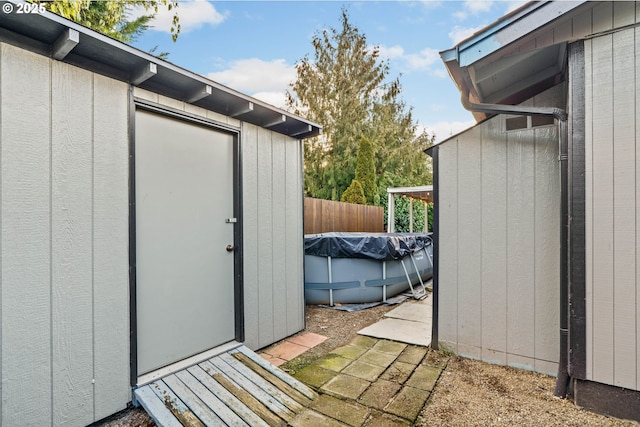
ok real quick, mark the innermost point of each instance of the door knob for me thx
(230, 248)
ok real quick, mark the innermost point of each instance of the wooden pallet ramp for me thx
(235, 388)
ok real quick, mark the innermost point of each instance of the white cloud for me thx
(444, 130)
(478, 6)
(457, 33)
(390, 52)
(277, 99)
(422, 60)
(266, 80)
(192, 14)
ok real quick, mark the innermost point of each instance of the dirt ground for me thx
(468, 393)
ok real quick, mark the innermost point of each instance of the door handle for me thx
(230, 248)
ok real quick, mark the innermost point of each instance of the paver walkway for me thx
(370, 382)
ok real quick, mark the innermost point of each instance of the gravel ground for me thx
(468, 393)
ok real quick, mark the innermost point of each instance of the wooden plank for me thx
(273, 379)
(71, 244)
(624, 203)
(174, 404)
(193, 402)
(26, 262)
(226, 375)
(216, 405)
(302, 388)
(288, 401)
(603, 214)
(520, 244)
(494, 238)
(265, 256)
(227, 397)
(156, 407)
(250, 219)
(110, 246)
(278, 237)
(469, 261)
(244, 396)
(448, 270)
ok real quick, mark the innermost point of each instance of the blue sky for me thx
(253, 46)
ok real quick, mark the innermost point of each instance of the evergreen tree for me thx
(366, 171)
(354, 194)
(346, 89)
(113, 17)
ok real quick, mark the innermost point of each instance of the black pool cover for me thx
(380, 246)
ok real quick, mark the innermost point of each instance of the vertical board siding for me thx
(603, 212)
(469, 237)
(110, 245)
(520, 247)
(64, 234)
(624, 205)
(448, 245)
(273, 254)
(249, 147)
(71, 245)
(499, 199)
(612, 194)
(26, 238)
(494, 242)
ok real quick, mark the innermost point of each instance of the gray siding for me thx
(272, 202)
(64, 304)
(273, 245)
(612, 117)
(499, 246)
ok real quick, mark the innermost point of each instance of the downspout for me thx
(562, 380)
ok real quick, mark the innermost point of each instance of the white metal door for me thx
(184, 281)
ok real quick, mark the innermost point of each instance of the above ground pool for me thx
(355, 268)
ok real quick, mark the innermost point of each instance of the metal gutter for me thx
(562, 380)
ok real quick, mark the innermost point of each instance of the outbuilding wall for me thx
(64, 304)
(498, 235)
(612, 157)
(64, 249)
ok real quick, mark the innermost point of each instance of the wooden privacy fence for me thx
(322, 216)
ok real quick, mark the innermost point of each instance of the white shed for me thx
(537, 206)
(148, 215)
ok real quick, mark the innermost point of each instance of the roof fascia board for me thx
(507, 30)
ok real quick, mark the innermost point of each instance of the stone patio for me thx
(370, 382)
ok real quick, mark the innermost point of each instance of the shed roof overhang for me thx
(424, 192)
(57, 37)
(500, 65)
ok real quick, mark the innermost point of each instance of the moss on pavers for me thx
(310, 417)
(345, 386)
(363, 341)
(333, 362)
(378, 358)
(398, 372)
(413, 354)
(391, 347)
(381, 419)
(435, 358)
(342, 410)
(363, 370)
(424, 377)
(408, 403)
(314, 376)
(379, 394)
(350, 351)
